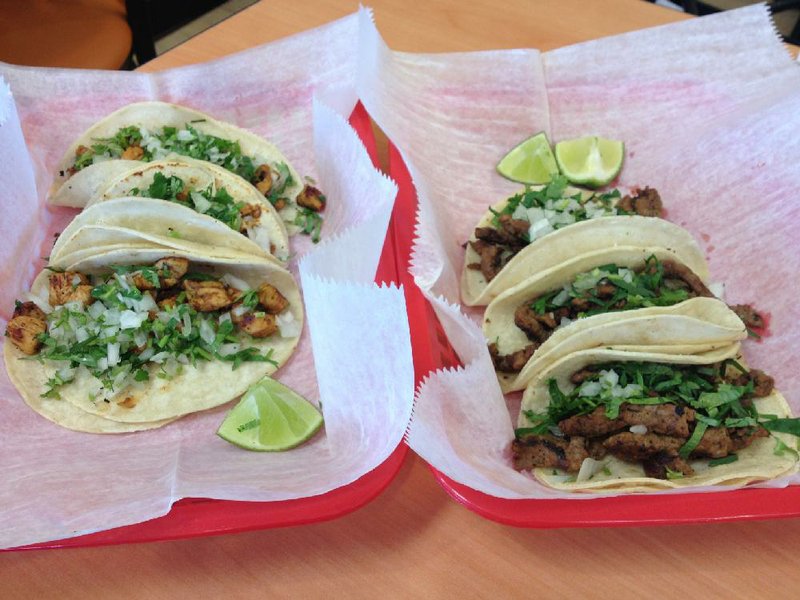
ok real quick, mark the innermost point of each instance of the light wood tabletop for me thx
(413, 540)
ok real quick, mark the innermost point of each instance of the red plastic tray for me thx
(192, 517)
(432, 351)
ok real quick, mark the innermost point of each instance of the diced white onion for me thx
(112, 353)
(96, 309)
(228, 349)
(147, 354)
(235, 282)
(609, 377)
(139, 338)
(590, 389)
(239, 310)
(564, 322)
(187, 325)
(160, 357)
(718, 289)
(589, 467)
(131, 320)
(288, 326)
(41, 303)
(207, 332)
(638, 429)
(224, 317)
(81, 334)
(184, 135)
(561, 298)
(200, 203)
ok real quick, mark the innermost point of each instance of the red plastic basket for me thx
(432, 351)
(192, 517)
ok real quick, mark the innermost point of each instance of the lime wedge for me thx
(530, 162)
(591, 161)
(270, 417)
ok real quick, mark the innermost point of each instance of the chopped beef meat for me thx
(715, 443)
(595, 448)
(580, 376)
(656, 466)
(527, 320)
(636, 447)
(742, 437)
(511, 363)
(763, 384)
(646, 202)
(491, 256)
(595, 424)
(550, 452)
(674, 270)
(748, 315)
(666, 419)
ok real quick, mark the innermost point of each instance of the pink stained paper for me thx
(708, 110)
(58, 483)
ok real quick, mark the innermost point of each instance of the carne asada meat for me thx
(511, 363)
(674, 270)
(748, 315)
(635, 447)
(496, 246)
(656, 466)
(595, 424)
(549, 451)
(646, 202)
(666, 419)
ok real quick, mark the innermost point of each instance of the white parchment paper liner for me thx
(709, 110)
(354, 357)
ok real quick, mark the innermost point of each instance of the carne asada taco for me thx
(693, 326)
(610, 420)
(157, 222)
(148, 131)
(148, 335)
(209, 190)
(625, 280)
(542, 226)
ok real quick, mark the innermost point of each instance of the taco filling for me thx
(216, 203)
(138, 143)
(533, 214)
(658, 415)
(608, 288)
(145, 321)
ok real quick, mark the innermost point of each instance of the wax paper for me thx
(354, 356)
(708, 109)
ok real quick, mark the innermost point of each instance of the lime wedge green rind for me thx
(530, 162)
(591, 161)
(270, 417)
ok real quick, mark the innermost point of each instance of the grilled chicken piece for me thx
(271, 299)
(141, 282)
(262, 179)
(133, 153)
(206, 296)
(259, 325)
(170, 270)
(23, 332)
(29, 309)
(311, 198)
(70, 286)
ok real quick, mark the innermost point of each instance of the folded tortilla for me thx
(756, 462)
(706, 322)
(76, 189)
(266, 230)
(157, 401)
(159, 223)
(580, 238)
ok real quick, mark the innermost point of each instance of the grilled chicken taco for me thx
(611, 420)
(160, 223)
(131, 339)
(209, 190)
(541, 226)
(625, 280)
(148, 131)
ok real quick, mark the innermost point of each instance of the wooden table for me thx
(413, 540)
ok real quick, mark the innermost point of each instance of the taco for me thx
(542, 226)
(209, 190)
(611, 420)
(693, 326)
(624, 280)
(160, 223)
(148, 131)
(140, 337)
